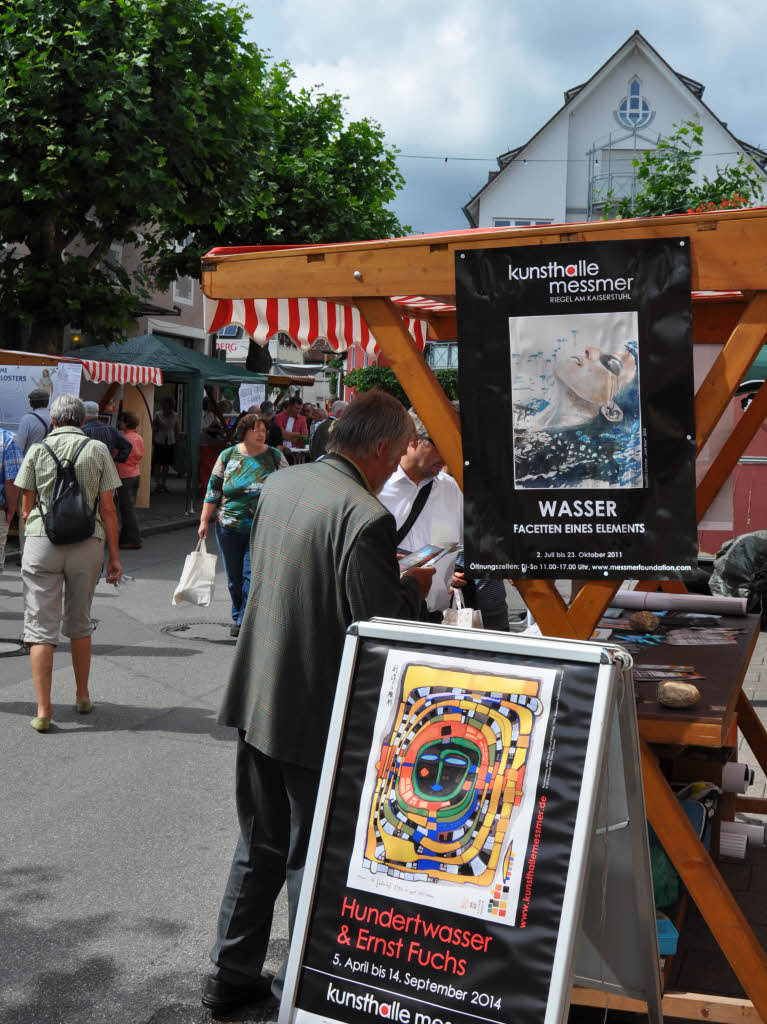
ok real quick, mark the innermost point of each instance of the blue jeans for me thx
(235, 554)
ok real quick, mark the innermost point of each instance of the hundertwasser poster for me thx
(577, 416)
(442, 872)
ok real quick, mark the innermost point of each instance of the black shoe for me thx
(234, 631)
(221, 997)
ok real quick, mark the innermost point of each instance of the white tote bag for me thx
(198, 579)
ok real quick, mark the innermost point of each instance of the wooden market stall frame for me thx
(728, 253)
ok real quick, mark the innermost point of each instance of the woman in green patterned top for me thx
(232, 496)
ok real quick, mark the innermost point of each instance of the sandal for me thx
(41, 724)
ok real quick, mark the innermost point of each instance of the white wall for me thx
(550, 178)
(532, 186)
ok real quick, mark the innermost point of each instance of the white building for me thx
(585, 151)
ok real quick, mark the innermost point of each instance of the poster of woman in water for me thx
(575, 401)
(577, 419)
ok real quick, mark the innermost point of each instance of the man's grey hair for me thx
(337, 408)
(373, 417)
(267, 408)
(421, 433)
(68, 411)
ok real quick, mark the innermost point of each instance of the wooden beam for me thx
(727, 459)
(751, 804)
(443, 328)
(706, 886)
(730, 367)
(548, 608)
(754, 733)
(714, 322)
(590, 604)
(421, 386)
(727, 253)
(682, 1005)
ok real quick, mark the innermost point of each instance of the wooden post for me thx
(706, 886)
(727, 459)
(729, 368)
(750, 724)
(421, 386)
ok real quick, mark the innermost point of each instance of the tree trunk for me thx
(47, 337)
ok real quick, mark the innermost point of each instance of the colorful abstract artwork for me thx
(450, 776)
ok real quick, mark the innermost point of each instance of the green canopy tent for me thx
(179, 365)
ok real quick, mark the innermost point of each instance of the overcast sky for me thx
(467, 81)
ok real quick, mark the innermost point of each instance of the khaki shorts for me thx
(48, 568)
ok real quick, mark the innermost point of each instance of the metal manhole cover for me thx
(12, 648)
(201, 629)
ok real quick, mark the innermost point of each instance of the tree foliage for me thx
(341, 173)
(384, 378)
(154, 122)
(666, 179)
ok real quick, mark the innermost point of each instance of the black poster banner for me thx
(442, 871)
(577, 409)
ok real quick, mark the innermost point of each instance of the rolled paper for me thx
(736, 777)
(733, 845)
(754, 833)
(655, 601)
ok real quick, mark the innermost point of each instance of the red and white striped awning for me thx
(99, 371)
(305, 321)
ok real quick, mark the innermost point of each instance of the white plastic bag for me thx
(198, 579)
(460, 615)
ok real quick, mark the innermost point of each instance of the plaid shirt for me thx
(10, 461)
(94, 469)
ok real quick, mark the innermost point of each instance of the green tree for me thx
(369, 377)
(341, 175)
(154, 123)
(666, 179)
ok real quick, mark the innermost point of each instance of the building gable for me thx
(604, 123)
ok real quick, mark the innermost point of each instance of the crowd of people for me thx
(307, 550)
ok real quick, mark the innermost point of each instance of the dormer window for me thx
(634, 110)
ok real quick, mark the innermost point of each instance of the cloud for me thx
(462, 79)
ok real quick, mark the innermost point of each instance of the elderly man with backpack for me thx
(69, 513)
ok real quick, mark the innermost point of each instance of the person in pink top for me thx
(130, 533)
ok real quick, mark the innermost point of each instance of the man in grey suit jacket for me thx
(323, 554)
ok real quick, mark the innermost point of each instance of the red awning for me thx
(307, 320)
(100, 371)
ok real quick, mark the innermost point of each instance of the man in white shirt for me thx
(440, 520)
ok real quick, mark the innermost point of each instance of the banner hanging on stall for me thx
(16, 382)
(577, 409)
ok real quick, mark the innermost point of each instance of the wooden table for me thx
(709, 725)
(724, 666)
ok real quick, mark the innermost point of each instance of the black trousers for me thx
(275, 807)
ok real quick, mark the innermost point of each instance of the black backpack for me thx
(68, 518)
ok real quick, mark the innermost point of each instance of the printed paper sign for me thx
(251, 394)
